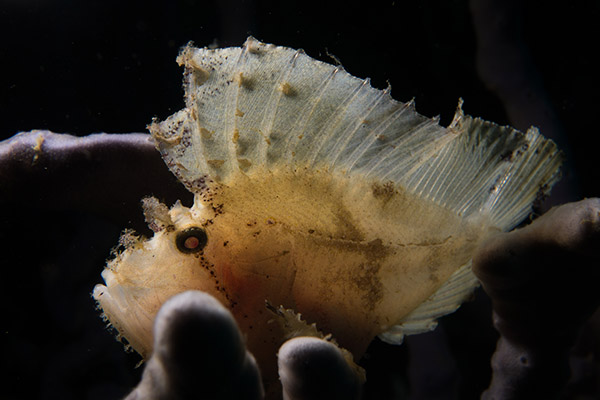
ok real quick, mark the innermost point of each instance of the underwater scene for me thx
(248, 200)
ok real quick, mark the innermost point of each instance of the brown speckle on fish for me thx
(287, 89)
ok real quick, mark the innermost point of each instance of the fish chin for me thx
(143, 277)
(126, 315)
(127, 299)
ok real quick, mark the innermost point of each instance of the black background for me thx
(107, 66)
(83, 67)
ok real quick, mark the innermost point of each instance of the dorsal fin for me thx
(264, 106)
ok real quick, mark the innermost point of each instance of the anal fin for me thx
(294, 326)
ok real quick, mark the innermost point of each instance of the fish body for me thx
(318, 197)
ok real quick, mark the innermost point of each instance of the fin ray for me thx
(445, 300)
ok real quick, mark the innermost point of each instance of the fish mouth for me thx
(122, 309)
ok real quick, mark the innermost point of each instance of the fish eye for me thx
(191, 240)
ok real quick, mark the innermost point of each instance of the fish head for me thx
(243, 263)
(145, 272)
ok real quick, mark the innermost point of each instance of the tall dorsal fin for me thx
(262, 106)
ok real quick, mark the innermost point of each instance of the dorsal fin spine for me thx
(299, 127)
(231, 125)
(375, 134)
(332, 122)
(272, 106)
(359, 121)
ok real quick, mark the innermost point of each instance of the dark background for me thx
(83, 67)
(109, 66)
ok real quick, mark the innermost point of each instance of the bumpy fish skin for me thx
(318, 193)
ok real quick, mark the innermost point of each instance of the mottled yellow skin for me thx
(351, 255)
